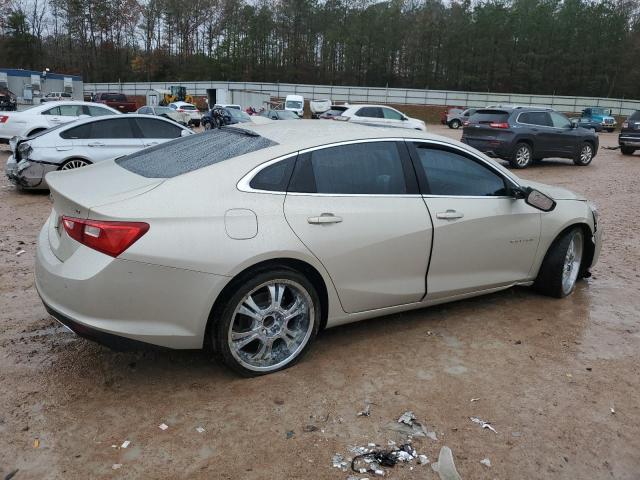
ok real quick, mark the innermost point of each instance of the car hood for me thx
(557, 193)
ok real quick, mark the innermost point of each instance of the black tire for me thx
(196, 123)
(522, 155)
(611, 130)
(584, 155)
(550, 277)
(455, 124)
(253, 284)
(207, 125)
(627, 150)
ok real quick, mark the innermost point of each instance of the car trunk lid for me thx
(75, 192)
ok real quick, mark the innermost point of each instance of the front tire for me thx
(455, 124)
(627, 150)
(522, 156)
(562, 265)
(268, 323)
(584, 155)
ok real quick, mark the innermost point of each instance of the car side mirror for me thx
(404, 119)
(539, 200)
(574, 124)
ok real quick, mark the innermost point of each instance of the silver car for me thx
(83, 143)
(457, 117)
(250, 240)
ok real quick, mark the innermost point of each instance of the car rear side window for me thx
(371, 112)
(113, 128)
(373, 168)
(96, 111)
(450, 173)
(392, 114)
(635, 116)
(80, 132)
(535, 118)
(193, 152)
(490, 116)
(274, 178)
(153, 128)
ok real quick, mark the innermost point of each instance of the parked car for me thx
(40, 117)
(228, 105)
(201, 244)
(457, 120)
(319, 107)
(380, 115)
(447, 111)
(279, 115)
(87, 141)
(587, 123)
(333, 112)
(182, 118)
(599, 114)
(295, 104)
(56, 97)
(523, 135)
(629, 138)
(190, 109)
(8, 101)
(220, 116)
(117, 101)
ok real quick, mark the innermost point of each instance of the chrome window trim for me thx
(244, 183)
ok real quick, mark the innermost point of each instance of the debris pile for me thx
(482, 423)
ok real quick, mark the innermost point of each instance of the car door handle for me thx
(324, 218)
(95, 144)
(450, 215)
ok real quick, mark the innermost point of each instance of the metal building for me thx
(30, 86)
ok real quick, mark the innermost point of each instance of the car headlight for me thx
(24, 149)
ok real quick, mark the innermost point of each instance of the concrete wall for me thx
(398, 96)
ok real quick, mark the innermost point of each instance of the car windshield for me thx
(293, 104)
(193, 152)
(238, 115)
(597, 111)
(285, 115)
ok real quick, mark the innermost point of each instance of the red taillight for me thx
(465, 123)
(4, 118)
(110, 238)
(499, 125)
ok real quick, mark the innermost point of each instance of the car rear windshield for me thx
(635, 116)
(187, 107)
(490, 116)
(193, 152)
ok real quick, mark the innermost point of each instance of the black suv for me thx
(523, 135)
(629, 138)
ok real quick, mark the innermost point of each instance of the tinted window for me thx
(559, 120)
(451, 173)
(366, 168)
(392, 114)
(96, 111)
(372, 112)
(80, 132)
(145, 111)
(193, 152)
(274, 178)
(535, 118)
(490, 116)
(52, 111)
(152, 128)
(635, 116)
(113, 128)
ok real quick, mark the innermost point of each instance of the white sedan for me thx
(46, 115)
(250, 240)
(380, 116)
(190, 109)
(84, 142)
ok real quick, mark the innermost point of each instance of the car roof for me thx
(101, 118)
(58, 103)
(182, 103)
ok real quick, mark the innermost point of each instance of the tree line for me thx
(561, 47)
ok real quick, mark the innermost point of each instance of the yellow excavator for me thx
(176, 93)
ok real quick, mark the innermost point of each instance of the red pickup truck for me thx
(118, 101)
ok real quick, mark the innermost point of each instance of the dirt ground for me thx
(547, 374)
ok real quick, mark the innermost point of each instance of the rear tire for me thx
(257, 330)
(627, 150)
(455, 124)
(522, 156)
(611, 130)
(562, 265)
(585, 155)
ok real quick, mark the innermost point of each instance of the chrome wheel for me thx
(77, 163)
(572, 262)
(271, 325)
(586, 154)
(523, 156)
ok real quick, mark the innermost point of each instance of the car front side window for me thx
(392, 114)
(372, 168)
(559, 120)
(450, 173)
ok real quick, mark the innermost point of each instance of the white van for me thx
(295, 103)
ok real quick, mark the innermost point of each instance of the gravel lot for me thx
(547, 374)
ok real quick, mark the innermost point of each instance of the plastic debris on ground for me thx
(613, 411)
(20, 252)
(310, 428)
(474, 399)
(199, 429)
(125, 444)
(116, 466)
(366, 412)
(36, 443)
(423, 459)
(482, 423)
(486, 462)
(373, 459)
(408, 425)
(445, 466)
(163, 426)
(339, 462)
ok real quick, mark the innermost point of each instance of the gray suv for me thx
(523, 135)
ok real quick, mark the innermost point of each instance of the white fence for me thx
(401, 96)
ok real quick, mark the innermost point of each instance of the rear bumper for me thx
(26, 174)
(490, 147)
(124, 303)
(629, 140)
